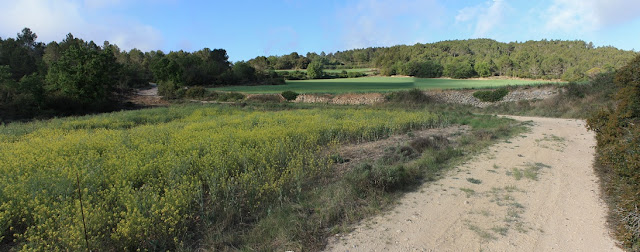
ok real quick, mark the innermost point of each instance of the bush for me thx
(289, 95)
(574, 90)
(230, 97)
(265, 98)
(437, 142)
(381, 177)
(411, 96)
(618, 148)
(491, 96)
(197, 92)
(170, 90)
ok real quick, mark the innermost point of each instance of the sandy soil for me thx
(535, 192)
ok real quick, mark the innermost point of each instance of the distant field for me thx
(361, 70)
(375, 84)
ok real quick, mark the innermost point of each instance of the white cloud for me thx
(368, 23)
(96, 4)
(589, 15)
(485, 17)
(51, 20)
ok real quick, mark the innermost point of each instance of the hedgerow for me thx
(618, 137)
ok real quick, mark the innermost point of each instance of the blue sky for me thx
(247, 29)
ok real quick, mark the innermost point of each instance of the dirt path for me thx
(535, 192)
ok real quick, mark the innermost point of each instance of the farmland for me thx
(374, 84)
(367, 71)
(148, 178)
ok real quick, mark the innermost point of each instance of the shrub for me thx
(437, 142)
(574, 90)
(378, 177)
(266, 98)
(355, 74)
(230, 97)
(197, 92)
(491, 96)
(618, 146)
(394, 155)
(411, 96)
(170, 89)
(289, 95)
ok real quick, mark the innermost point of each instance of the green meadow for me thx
(375, 84)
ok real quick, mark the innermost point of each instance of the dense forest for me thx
(546, 59)
(76, 77)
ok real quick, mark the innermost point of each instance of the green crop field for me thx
(351, 70)
(374, 84)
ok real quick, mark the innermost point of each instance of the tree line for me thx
(75, 76)
(545, 59)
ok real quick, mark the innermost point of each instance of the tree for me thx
(84, 76)
(459, 69)
(315, 70)
(244, 72)
(483, 69)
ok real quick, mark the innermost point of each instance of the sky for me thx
(250, 28)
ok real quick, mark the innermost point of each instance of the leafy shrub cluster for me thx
(618, 136)
(169, 90)
(491, 95)
(265, 98)
(151, 179)
(413, 96)
(289, 95)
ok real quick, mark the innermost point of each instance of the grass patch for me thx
(474, 181)
(531, 171)
(483, 234)
(516, 173)
(500, 230)
(469, 192)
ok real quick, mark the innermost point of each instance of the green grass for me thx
(374, 84)
(353, 70)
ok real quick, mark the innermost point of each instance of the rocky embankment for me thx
(466, 96)
(441, 96)
(343, 99)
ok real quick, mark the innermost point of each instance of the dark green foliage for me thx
(483, 69)
(474, 181)
(413, 96)
(421, 69)
(84, 75)
(574, 90)
(289, 95)
(230, 96)
(491, 95)
(265, 98)
(336, 158)
(244, 72)
(459, 69)
(618, 137)
(295, 75)
(170, 89)
(545, 59)
(315, 70)
(197, 92)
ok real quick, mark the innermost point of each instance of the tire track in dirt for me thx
(534, 192)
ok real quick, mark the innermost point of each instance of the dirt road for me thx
(535, 192)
